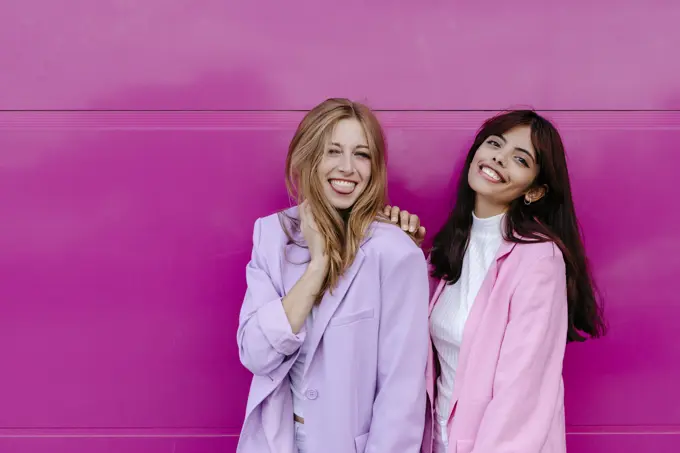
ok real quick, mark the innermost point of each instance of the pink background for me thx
(139, 140)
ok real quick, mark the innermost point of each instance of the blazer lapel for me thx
(293, 265)
(476, 315)
(437, 292)
(329, 304)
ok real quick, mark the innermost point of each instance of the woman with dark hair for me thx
(512, 287)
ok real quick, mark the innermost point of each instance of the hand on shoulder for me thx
(408, 222)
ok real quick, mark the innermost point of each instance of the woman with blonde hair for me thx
(334, 325)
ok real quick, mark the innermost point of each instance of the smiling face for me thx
(345, 168)
(503, 169)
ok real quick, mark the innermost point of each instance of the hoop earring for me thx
(527, 202)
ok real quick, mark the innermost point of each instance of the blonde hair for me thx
(342, 234)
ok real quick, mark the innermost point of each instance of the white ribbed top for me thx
(453, 307)
(297, 382)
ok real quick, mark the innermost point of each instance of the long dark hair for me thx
(552, 218)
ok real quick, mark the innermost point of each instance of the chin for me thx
(342, 203)
(341, 206)
(478, 186)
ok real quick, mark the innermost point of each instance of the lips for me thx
(490, 173)
(342, 186)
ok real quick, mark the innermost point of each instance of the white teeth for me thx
(489, 172)
(338, 182)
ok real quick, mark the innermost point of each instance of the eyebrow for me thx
(522, 150)
(340, 146)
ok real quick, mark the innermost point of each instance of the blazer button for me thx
(311, 394)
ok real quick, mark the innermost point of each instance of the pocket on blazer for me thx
(360, 443)
(349, 319)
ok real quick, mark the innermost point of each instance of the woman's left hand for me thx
(408, 222)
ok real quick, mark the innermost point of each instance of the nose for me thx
(501, 157)
(346, 165)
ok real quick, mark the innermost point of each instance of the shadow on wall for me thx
(421, 189)
(132, 220)
(629, 237)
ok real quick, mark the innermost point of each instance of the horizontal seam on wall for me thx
(305, 110)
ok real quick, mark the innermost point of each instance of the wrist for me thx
(318, 265)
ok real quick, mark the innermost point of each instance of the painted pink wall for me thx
(139, 140)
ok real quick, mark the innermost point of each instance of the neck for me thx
(344, 214)
(485, 209)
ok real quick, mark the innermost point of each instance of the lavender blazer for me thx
(369, 345)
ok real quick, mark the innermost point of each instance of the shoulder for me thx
(534, 267)
(539, 275)
(391, 245)
(269, 230)
(389, 238)
(535, 255)
(539, 283)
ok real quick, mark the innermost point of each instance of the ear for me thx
(535, 193)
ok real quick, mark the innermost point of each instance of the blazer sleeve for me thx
(264, 335)
(527, 388)
(399, 406)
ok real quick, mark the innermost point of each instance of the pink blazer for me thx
(369, 346)
(509, 395)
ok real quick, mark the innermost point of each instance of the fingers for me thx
(413, 223)
(306, 219)
(403, 220)
(394, 214)
(303, 211)
(407, 221)
(309, 218)
(420, 235)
